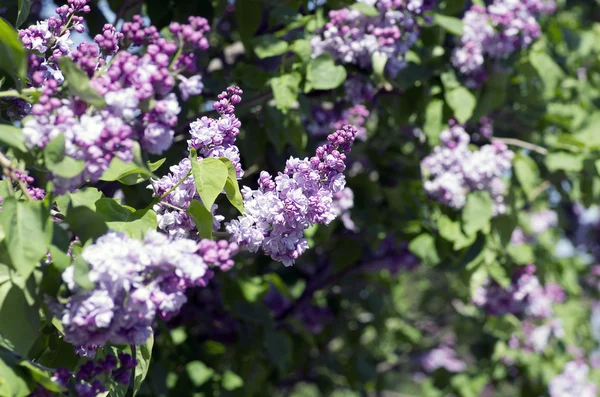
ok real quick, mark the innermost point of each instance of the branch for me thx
(9, 171)
(523, 144)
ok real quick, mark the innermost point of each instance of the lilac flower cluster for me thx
(133, 282)
(343, 201)
(442, 357)
(87, 381)
(277, 213)
(539, 222)
(35, 193)
(495, 32)
(525, 297)
(323, 120)
(210, 138)
(453, 170)
(138, 88)
(573, 382)
(353, 37)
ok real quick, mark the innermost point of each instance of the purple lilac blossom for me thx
(324, 120)
(134, 281)
(353, 37)
(278, 212)
(573, 382)
(453, 170)
(138, 89)
(495, 32)
(525, 295)
(210, 138)
(442, 357)
(343, 201)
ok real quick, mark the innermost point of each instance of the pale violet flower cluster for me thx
(210, 138)
(353, 37)
(495, 32)
(442, 357)
(133, 282)
(137, 86)
(278, 212)
(453, 170)
(343, 201)
(528, 298)
(573, 381)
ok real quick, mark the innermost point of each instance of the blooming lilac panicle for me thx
(453, 170)
(210, 138)
(353, 37)
(324, 120)
(134, 281)
(277, 213)
(495, 32)
(573, 382)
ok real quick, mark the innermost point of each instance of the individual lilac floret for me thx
(495, 32)
(210, 138)
(453, 170)
(353, 37)
(442, 357)
(134, 281)
(573, 382)
(278, 212)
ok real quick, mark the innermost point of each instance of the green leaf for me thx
(22, 329)
(39, 376)
(253, 289)
(423, 246)
(434, 121)
(269, 46)
(85, 197)
(143, 354)
(323, 74)
(448, 229)
(550, 73)
(129, 173)
(231, 381)
(86, 224)
(80, 274)
(28, 229)
(562, 161)
(135, 223)
(462, 102)
(210, 176)
(493, 95)
(365, 9)
(248, 15)
(527, 172)
(198, 372)
(24, 7)
(279, 349)
(12, 137)
(12, 54)
(449, 24)
(58, 162)
(285, 90)
(12, 378)
(302, 48)
(79, 83)
(477, 212)
(379, 60)
(522, 254)
(202, 217)
(232, 188)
